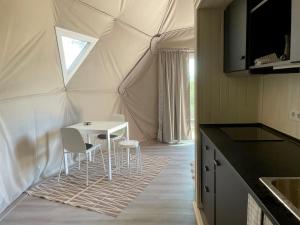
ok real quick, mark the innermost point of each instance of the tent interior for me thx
(111, 66)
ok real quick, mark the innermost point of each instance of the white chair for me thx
(117, 136)
(129, 146)
(74, 143)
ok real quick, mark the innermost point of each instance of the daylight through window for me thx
(73, 49)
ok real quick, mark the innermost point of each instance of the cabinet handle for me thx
(206, 147)
(243, 57)
(206, 188)
(217, 163)
(206, 168)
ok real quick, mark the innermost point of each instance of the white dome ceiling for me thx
(125, 29)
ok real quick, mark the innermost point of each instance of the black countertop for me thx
(255, 159)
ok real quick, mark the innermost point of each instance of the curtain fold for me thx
(174, 89)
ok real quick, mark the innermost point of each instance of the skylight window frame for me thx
(91, 42)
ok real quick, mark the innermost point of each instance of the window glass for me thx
(72, 49)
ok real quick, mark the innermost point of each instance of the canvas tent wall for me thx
(35, 103)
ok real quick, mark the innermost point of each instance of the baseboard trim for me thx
(12, 206)
(198, 216)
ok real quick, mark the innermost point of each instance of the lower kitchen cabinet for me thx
(231, 194)
(224, 196)
(267, 221)
(230, 163)
(208, 200)
(255, 215)
(208, 183)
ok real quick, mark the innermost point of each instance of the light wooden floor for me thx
(167, 200)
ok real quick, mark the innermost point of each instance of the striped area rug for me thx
(102, 196)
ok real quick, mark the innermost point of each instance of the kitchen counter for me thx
(254, 159)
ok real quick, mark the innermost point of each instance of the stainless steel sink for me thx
(287, 190)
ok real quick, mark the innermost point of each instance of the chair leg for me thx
(128, 157)
(122, 157)
(87, 170)
(141, 160)
(120, 160)
(117, 160)
(66, 164)
(103, 161)
(79, 160)
(94, 155)
(129, 160)
(60, 167)
(137, 159)
(114, 149)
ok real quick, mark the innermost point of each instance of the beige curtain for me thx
(174, 104)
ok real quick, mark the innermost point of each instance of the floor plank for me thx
(167, 200)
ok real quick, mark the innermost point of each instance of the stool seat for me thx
(129, 144)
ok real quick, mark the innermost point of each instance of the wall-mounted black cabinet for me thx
(269, 25)
(295, 32)
(235, 29)
(262, 36)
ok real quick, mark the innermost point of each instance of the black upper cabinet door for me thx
(235, 29)
(295, 31)
(231, 194)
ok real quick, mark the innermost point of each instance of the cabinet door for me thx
(208, 188)
(267, 221)
(235, 29)
(254, 213)
(231, 194)
(295, 31)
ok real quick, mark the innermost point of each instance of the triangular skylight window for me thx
(73, 49)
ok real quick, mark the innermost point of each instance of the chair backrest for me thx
(72, 140)
(117, 117)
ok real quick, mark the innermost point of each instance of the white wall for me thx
(221, 98)
(33, 102)
(279, 95)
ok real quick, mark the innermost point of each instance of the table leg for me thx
(127, 132)
(66, 162)
(109, 155)
(90, 153)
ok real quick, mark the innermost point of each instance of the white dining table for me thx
(106, 127)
